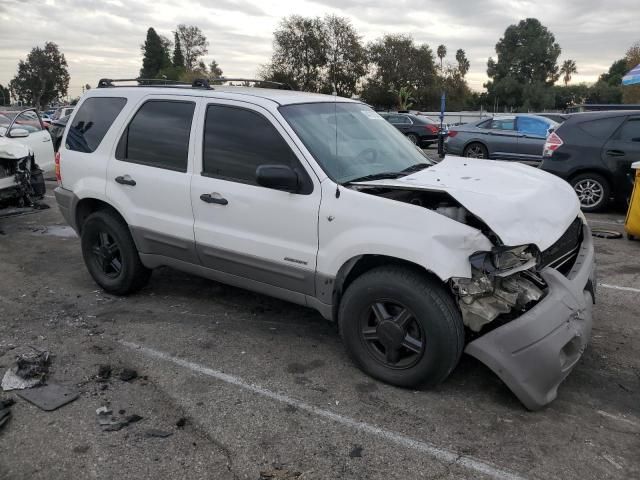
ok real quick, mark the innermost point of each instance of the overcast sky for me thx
(102, 38)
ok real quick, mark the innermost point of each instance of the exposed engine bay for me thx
(21, 182)
(505, 282)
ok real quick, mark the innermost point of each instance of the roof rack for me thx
(154, 82)
(204, 83)
(253, 80)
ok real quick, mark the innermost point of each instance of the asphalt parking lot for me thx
(266, 386)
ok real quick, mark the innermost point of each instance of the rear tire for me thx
(593, 191)
(401, 327)
(476, 150)
(110, 254)
(413, 138)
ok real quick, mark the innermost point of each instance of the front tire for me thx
(476, 150)
(401, 327)
(593, 191)
(110, 254)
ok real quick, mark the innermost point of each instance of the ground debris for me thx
(128, 374)
(181, 422)
(49, 397)
(110, 423)
(153, 432)
(31, 369)
(104, 373)
(356, 452)
(279, 473)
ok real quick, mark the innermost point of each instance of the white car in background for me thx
(26, 127)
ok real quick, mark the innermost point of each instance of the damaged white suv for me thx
(317, 200)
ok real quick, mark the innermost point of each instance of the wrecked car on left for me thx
(21, 179)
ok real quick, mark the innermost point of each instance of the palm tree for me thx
(442, 52)
(567, 70)
(403, 97)
(463, 62)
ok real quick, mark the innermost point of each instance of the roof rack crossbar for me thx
(253, 80)
(197, 83)
(109, 82)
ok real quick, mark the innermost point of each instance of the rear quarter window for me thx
(601, 128)
(92, 122)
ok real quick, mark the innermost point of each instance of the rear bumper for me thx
(67, 201)
(534, 353)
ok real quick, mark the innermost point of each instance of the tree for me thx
(42, 77)
(463, 62)
(403, 98)
(567, 70)
(396, 61)
(442, 52)
(526, 63)
(299, 53)
(193, 44)
(178, 58)
(631, 93)
(617, 70)
(5, 96)
(215, 69)
(346, 57)
(155, 56)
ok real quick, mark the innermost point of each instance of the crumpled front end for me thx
(21, 180)
(533, 325)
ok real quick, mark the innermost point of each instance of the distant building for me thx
(597, 107)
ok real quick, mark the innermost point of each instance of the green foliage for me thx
(396, 61)
(214, 69)
(463, 62)
(178, 57)
(568, 68)
(441, 52)
(346, 57)
(403, 98)
(617, 70)
(42, 78)
(5, 96)
(193, 44)
(299, 53)
(155, 55)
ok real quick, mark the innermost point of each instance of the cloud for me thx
(102, 38)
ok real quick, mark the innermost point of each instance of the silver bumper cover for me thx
(534, 353)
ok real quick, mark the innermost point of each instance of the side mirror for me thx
(278, 177)
(18, 133)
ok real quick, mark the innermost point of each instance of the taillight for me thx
(431, 128)
(58, 177)
(453, 133)
(552, 144)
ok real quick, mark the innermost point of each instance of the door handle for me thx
(46, 139)
(206, 197)
(615, 153)
(126, 180)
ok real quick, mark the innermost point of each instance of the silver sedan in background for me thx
(512, 137)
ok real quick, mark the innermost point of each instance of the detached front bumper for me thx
(534, 353)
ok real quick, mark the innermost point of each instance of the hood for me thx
(521, 204)
(11, 150)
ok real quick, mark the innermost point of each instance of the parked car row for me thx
(421, 130)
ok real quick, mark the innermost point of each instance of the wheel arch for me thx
(603, 172)
(358, 265)
(86, 206)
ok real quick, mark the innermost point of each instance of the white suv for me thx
(317, 200)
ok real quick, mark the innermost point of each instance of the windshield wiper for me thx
(377, 176)
(415, 168)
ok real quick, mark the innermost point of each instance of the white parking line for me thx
(618, 287)
(441, 454)
(606, 222)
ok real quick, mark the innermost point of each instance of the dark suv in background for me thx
(594, 151)
(421, 130)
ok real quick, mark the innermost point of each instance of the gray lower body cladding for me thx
(535, 352)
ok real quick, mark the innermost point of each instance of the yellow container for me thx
(632, 222)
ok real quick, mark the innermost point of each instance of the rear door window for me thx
(503, 124)
(601, 128)
(92, 122)
(533, 126)
(630, 131)
(158, 135)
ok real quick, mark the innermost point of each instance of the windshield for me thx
(351, 141)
